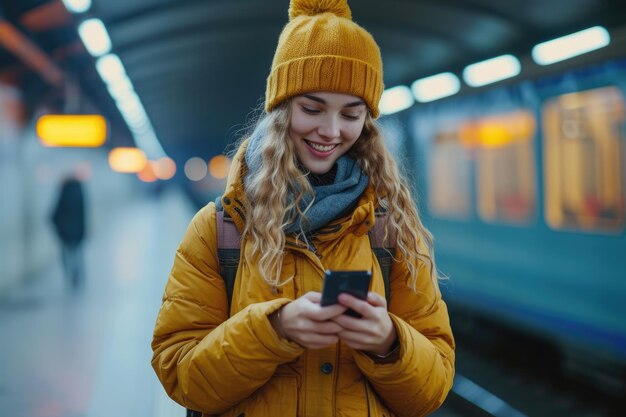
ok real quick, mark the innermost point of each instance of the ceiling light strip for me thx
(95, 37)
(435, 87)
(129, 104)
(491, 70)
(572, 45)
(77, 6)
(396, 99)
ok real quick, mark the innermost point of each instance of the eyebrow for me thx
(322, 101)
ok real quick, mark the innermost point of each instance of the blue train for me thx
(524, 189)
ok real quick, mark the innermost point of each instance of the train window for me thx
(505, 166)
(449, 176)
(584, 160)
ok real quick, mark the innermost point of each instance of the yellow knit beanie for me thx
(322, 49)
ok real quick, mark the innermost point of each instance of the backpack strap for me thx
(383, 248)
(228, 251)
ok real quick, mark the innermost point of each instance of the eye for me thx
(309, 110)
(351, 116)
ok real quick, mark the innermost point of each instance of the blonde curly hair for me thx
(274, 193)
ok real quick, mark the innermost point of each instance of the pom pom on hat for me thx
(313, 7)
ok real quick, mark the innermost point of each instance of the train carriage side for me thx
(525, 192)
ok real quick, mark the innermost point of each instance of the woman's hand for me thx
(374, 332)
(307, 323)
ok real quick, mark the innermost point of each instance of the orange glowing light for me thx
(218, 166)
(127, 160)
(85, 130)
(164, 168)
(147, 174)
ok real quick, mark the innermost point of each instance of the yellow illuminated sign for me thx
(498, 131)
(127, 160)
(85, 130)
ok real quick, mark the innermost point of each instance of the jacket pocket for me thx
(278, 397)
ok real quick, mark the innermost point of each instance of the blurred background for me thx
(116, 118)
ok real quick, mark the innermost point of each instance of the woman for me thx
(303, 190)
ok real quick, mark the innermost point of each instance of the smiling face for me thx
(324, 126)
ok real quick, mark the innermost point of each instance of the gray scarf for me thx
(330, 201)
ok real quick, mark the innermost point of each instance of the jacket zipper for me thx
(311, 247)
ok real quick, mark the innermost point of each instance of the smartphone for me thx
(356, 283)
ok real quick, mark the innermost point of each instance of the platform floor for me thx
(87, 353)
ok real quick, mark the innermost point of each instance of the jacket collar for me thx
(234, 201)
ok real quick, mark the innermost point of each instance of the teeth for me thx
(321, 148)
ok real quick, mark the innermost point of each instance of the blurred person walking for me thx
(68, 219)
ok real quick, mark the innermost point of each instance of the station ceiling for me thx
(199, 66)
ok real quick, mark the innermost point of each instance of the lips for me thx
(321, 148)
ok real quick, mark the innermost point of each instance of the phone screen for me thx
(355, 283)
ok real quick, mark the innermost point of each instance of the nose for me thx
(329, 128)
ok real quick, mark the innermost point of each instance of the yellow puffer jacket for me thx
(238, 366)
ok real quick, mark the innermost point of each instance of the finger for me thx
(352, 323)
(313, 296)
(319, 313)
(360, 306)
(324, 327)
(376, 299)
